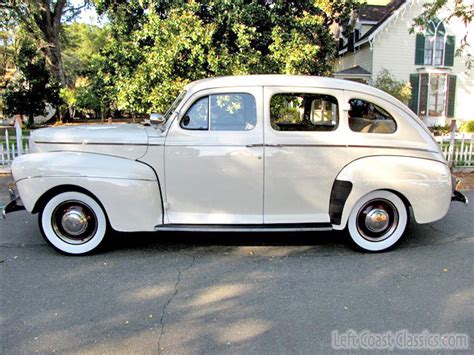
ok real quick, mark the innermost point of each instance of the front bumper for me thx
(15, 204)
(456, 195)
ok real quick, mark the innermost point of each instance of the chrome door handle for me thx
(263, 145)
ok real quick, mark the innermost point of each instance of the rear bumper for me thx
(15, 204)
(460, 197)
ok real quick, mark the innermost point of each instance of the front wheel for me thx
(377, 221)
(73, 223)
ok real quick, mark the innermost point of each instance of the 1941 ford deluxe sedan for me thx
(243, 153)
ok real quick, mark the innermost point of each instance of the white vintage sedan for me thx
(243, 153)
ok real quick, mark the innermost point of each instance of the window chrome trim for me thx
(336, 127)
(208, 96)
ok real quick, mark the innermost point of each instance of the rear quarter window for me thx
(367, 117)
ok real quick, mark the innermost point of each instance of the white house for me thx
(442, 86)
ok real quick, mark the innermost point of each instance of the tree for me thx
(42, 19)
(33, 89)
(462, 10)
(85, 93)
(387, 82)
(156, 47)
(7, 42)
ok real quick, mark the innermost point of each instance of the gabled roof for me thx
(357, 70)
(384, 13)
(372, 13)
(390, 9)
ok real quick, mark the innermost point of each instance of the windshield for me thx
(174, 105)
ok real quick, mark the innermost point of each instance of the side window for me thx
(303, 112)
(233, 112)
(227, 112)
(366, 117)
(197, 116)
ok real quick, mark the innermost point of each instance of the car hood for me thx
(125, 140)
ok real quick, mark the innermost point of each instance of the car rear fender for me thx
(423, 184)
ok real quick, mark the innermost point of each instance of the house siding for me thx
(362, 58)
(394, 49)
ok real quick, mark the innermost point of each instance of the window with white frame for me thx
(433, 95)
(435, 42)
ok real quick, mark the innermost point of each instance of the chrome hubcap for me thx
(74, 222)
(377, 220)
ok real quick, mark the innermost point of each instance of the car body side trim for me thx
(297, 227)
(100, 143)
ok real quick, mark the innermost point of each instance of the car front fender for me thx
(128, 190)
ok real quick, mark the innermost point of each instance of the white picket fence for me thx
(459, 154)
(457, 151)
(12, 147)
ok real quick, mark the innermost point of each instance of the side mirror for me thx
(185, 121)
(156, 118)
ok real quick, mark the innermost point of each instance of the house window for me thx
(433, 95)
(435, 41)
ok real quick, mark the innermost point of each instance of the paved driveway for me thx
(231, 293)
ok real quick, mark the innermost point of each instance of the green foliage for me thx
(81, 98)
(87, 91)
(439, 130)
(157, 47)
(33, 89)
(387, 82)
(467, 126)
(82, 44)
(7, 48)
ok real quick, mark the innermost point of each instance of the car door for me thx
(214, 159)
(304, 151)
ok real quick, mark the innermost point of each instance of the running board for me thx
(300, 227)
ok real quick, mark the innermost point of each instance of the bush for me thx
(467, 126)
(387, 82)
(439, 130)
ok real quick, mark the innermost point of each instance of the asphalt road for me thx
(273, 293)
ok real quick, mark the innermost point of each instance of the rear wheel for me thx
(73, 223)
(378, 221)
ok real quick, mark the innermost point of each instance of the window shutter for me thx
(350, 45)
(451, 95)
(449, 51)
(415, 85)
(420, 49)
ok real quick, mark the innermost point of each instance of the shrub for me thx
(387, 82)
(467, 126)
(439, 130)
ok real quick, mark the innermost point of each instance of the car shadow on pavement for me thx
(182, 241)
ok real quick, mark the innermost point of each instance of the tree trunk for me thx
(31, 120)
(43, 22)
(54, 60)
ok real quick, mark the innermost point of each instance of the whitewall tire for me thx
(377, 221)
(73, 223)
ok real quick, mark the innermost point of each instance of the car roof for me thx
(283, 80)
(297, 81)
